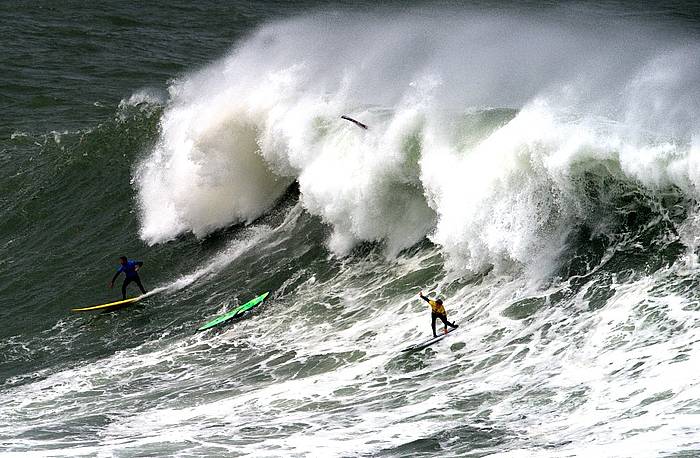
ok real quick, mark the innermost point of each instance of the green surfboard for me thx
(234, 313)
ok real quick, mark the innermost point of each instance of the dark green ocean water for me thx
(535, 164)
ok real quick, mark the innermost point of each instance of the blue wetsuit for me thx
(131, 274)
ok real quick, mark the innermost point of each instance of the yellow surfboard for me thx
(106, 306)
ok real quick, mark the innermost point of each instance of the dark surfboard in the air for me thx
(355, 121)
(427, 343)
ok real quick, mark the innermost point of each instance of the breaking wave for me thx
(487, 134)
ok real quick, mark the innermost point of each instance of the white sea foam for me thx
(148, 96)
(564, 381)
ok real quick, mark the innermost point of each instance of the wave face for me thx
(485, 131)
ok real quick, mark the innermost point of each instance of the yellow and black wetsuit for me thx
(438, 311)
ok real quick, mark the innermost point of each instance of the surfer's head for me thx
(438, 301)
(122, 260)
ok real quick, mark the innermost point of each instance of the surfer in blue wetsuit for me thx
(130, 269)
(437, 311)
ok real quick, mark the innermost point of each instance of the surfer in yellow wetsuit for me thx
(438, 311)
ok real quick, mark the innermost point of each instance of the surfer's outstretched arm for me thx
(111, 283)
(426, 299)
